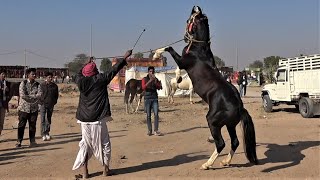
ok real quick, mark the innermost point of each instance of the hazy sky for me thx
(56, 30)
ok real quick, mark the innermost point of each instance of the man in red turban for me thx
(90, 68)
(93, 112)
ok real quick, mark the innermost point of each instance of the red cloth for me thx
(90, 69)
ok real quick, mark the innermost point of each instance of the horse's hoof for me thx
(224, 164)
(204, 167)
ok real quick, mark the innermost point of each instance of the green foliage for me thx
(256, 64)
(219, 62)
(151, 55)
(106, 65)
(271, 65)
(76, 64)
(138, 55)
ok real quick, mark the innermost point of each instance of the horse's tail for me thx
(249, 137)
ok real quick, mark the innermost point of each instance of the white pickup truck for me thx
(297, 83)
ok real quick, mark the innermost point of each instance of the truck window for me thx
(281, 75)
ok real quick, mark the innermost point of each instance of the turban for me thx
(90, 69)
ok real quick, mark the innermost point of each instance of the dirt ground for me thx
(287, 144)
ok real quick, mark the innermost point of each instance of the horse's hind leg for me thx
(191, 94)
(131, 100)
(127, 108)
(171, 95)
(216, 133)
(234, 145)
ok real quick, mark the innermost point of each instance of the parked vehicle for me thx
(297, 83)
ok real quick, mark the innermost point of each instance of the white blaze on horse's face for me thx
(196, 9)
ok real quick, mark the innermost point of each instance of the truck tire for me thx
(306, 107)
(267, 103)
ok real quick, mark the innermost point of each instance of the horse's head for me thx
(178, 75)
(197, 29)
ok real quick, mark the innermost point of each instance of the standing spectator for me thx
(242, 82)
(261, 80)
(49, 98)
(93, 112)
(150, 84)
(62, 77)
(68, 79)
(4, 98)
(30, 94)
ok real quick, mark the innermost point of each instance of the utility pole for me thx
(237, 58)
(91, 40)
(25, 63)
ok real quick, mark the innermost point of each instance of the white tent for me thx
(164, 74)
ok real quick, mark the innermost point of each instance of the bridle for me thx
(188, 36)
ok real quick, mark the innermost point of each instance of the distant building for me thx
(18, 71)
(118, 82)
(13, 71)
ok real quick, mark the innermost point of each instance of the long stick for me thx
(138, 38)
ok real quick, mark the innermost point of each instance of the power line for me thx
(8, 53)
(45, 57)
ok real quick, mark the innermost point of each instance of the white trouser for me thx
(95, 141)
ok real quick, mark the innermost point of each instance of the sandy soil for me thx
(287, 144)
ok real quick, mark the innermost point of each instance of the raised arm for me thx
(108, 76)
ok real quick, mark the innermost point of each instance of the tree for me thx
(256, 64)
(151, 54)
(271, 65)
(219, 62)
(76, 64)
(105, 65)
(138, 55)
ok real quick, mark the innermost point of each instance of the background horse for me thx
(225, 105)
(133, 87)
(179, 83)
(13, 91)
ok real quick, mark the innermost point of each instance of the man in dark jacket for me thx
(150, 84)
(50, 94)
(93, 112)
(4, 98)
(242, 82)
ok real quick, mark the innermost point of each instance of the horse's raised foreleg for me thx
(176, 57)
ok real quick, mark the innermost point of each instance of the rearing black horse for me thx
(225, 105)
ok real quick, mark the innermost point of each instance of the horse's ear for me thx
(196, 9)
